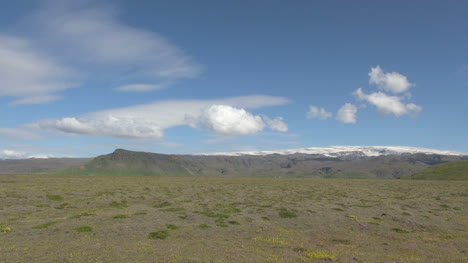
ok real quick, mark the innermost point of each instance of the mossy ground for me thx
(231, 219)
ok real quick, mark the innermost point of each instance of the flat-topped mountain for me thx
(328, 162)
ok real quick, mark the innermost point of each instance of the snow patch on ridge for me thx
(339, 151)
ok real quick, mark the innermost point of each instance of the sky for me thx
(82, 78)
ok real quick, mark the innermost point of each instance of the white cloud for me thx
(41, 156)
(150, 120)
(276, 124)
(95, 37)
(318, 113)
(139, 87)
(347, 113)
(113, 126)
(76, 39)
(10, 154)
(228, 120)
(13, 154)
(387, 104)
(393, 81)
(413, 109)
(28, 74)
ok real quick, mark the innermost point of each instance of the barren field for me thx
(231, 219)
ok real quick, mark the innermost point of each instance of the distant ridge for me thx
(333, 162)
(39, 165)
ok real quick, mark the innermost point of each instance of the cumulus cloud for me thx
(347, 113)
(28, 74)
(228, 120)
(276, 124)
(318, 113)
(392, 82)
(224, 116)
(387, 104)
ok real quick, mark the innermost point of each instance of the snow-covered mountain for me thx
(343, 151)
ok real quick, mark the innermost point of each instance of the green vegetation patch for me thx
(172, 227)
(63, 206)
(227, 208)
(54, 197)
(46, 225)
(220, 222)
(42, 205)
(83, 229)
(162, 234)
(140, 213)
(348, 175)
(121, 204)
(210, 213)
(400, 230)
(162, 204)
(285, 213)
(120, 216)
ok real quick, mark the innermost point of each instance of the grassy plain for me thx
(51, 218)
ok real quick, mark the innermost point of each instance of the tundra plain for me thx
(58, 218)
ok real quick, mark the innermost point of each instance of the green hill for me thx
(123, 162)
(447, 171)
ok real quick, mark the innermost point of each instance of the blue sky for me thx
(81, 78)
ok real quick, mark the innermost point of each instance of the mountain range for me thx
(326, 162)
